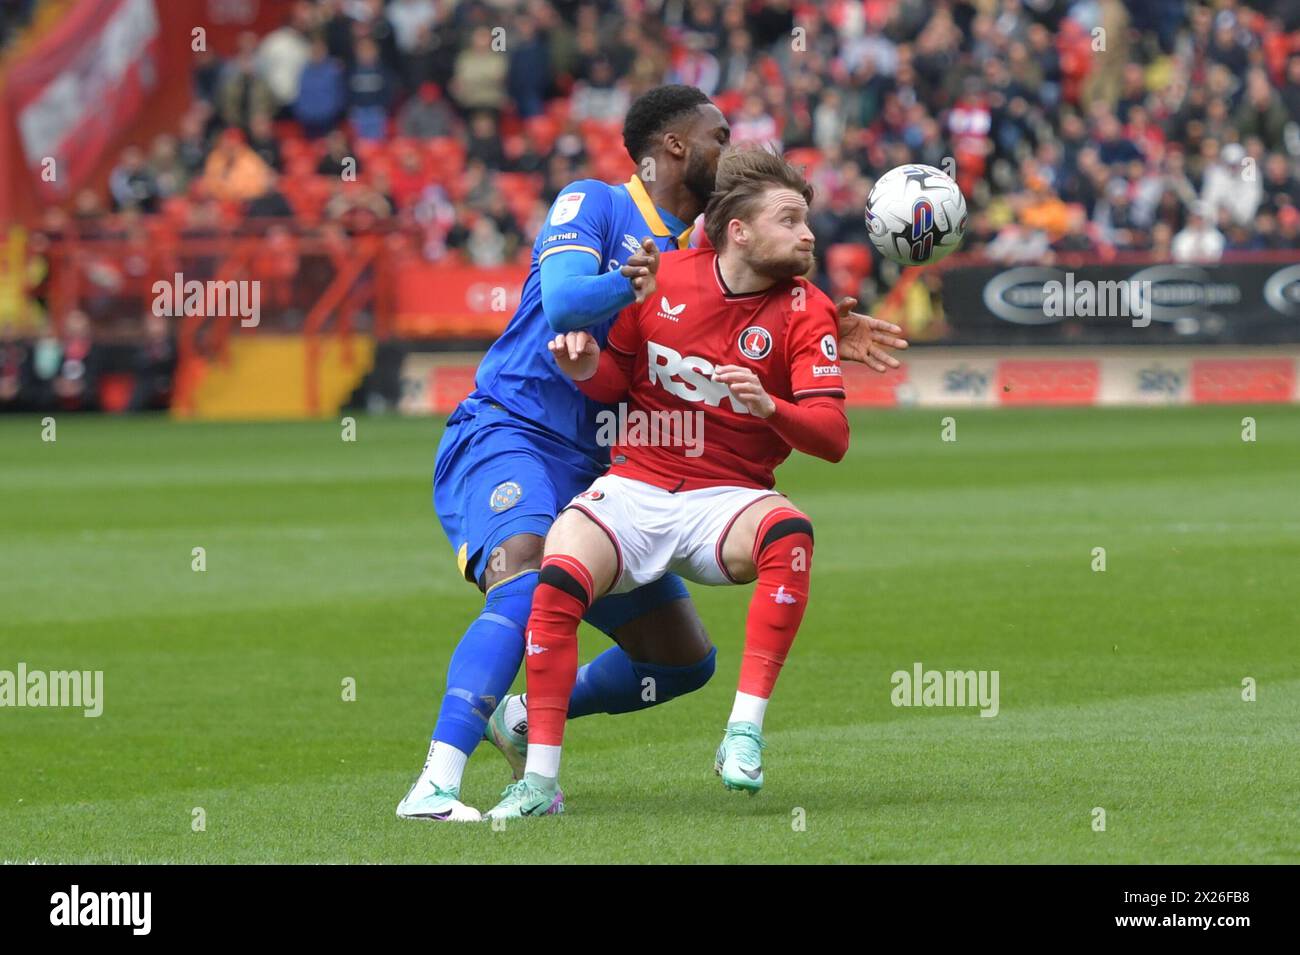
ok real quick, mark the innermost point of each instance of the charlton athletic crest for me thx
(755, 342)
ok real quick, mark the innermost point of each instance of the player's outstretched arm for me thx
(866, 340)
(575, 296)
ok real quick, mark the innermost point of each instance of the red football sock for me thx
(783, 549)
(562, 596)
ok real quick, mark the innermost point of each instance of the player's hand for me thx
(865, 339)
(641, 269)
(576, 353)
(746, 388)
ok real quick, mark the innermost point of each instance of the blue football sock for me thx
(485, 663)
(614, 683)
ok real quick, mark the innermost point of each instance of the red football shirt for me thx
(681, 430)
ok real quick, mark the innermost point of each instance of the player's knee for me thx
(694, 677)
(659, 684)
(784, 534)
(513, 556)
(563, 576)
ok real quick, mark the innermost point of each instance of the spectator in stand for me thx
(479, 185)
(1231, 188)
(192, 147)
(242, 92)
(408, 19)
(601, 97)
(359, 208)
(154, 365)
(207, 75)
(431, 59)
(322, 92)
(132, 182)
(484, 141)
(284, 53)
(1114, 218)
(338, 158)
(754, 124)
(426, 115)
(479, 80)
(1113, 148)
(74, 386)
(696, 66)
(271, 204)
(1261, 112)
(1288, 221)
(829, 120)
(529, 74)
(263, 141)
(372, 88)
(1281, 186)
(234, 172)
(1200, 241)
(486, 247)
(168, 170)
(1291, 88)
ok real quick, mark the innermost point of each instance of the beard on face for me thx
(779, 265)
(700, 179)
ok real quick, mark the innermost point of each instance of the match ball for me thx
(916, 214)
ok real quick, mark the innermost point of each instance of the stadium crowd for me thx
(1105, 127)
(1097, 125)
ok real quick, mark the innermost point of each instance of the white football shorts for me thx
(656, 531)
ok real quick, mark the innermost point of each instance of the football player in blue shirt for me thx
(523, 444)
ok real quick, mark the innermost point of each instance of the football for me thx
(915, 214)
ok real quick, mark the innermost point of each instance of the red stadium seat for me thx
(446, 157)
(543, 130)
(807, 156)
(612, 165)
(558, 110)
(729, 102)
(520, 190)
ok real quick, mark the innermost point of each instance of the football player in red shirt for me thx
(730, 364)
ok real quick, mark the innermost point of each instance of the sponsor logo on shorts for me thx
(755, 342)
(505, 496)
(592, 495)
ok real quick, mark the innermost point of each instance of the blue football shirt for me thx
(518, 373)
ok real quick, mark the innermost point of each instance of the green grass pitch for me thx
(1119, 689)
